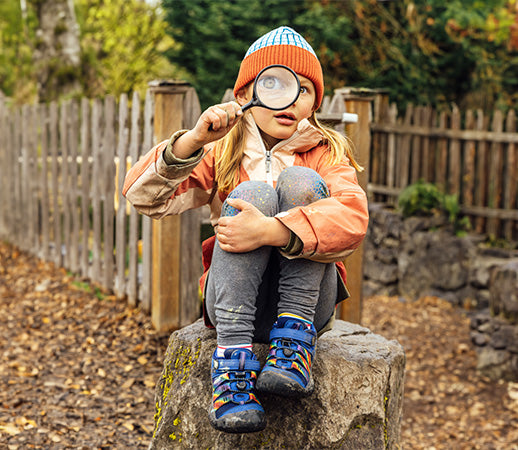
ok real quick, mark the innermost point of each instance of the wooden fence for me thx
(472, 154)
(62, 168)
(61, 171)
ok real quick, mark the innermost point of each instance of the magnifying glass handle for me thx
(250, 104)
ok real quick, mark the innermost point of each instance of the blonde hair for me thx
(230, 149)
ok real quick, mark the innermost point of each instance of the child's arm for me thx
(176, 175)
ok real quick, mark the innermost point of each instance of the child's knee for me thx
(300, 186)
(261, 195)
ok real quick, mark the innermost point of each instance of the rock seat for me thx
(356, 404)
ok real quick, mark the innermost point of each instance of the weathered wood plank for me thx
(442, 153)
(108, 174)
(133, 236)
(120, 244)
(24, 180)
(73, 186)
(147, 226)
(85, 187)
(468, 172)
(190, 250)
(481, 171)
(56, 210)
(44, 180)
(165, 308)
(391, 149)
(415, 152)
(404, 172)
(97, 193)
(454, 155)
(510, 200)
(32, 182)
(64, 180)
(494, 187)
(4, 161)
(425, 172)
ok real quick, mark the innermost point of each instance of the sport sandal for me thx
(287, 371)
(235, 407)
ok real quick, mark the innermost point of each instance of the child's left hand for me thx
(243, 232)
(250, 229)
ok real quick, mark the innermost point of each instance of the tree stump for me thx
(357, 402)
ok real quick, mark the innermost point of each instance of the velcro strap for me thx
(233, 364)
(291, 333)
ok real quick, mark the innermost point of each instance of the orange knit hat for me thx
(282, 46)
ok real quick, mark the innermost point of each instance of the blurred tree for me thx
(484, 32)
(57, 54)
(17, 74)
(432, 52)
(211, 37)
(123, 42)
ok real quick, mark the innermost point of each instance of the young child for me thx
(286, 208)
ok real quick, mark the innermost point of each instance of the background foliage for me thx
(433, 52)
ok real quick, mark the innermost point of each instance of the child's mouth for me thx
(285, 118)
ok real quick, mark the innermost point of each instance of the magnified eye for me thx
(271, 83)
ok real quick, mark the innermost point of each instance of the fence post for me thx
(357, 101)
(176, 260)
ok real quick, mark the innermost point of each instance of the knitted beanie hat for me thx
(282, 46)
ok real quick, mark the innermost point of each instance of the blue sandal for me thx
(287, 371)
(235, 407)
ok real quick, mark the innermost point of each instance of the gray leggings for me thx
(247, 291)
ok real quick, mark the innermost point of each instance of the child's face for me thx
(279, 125)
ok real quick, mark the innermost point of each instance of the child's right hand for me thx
(214, 123)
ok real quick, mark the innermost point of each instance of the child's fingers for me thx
(224, 115)
(237, 203)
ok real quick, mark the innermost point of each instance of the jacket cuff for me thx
(171, 159)
(294, 245)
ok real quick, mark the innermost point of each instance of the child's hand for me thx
(250, 229)
(212, 125)
(216, 121)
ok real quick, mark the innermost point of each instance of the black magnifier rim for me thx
(256, 98)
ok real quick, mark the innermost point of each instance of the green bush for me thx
(426, 199)
(420, 199)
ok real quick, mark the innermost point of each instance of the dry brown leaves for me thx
(77, 368)
(78, 371)
(446, 404)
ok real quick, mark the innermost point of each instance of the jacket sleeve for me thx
(158, 189)
(332, 228)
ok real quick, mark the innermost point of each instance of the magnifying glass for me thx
(276, 87)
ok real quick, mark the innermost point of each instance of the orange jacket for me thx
(330, 229)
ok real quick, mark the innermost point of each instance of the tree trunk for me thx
(57, 56)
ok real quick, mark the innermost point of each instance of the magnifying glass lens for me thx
(277, 88)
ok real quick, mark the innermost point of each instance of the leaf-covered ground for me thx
(78, 368)
(447, 404)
